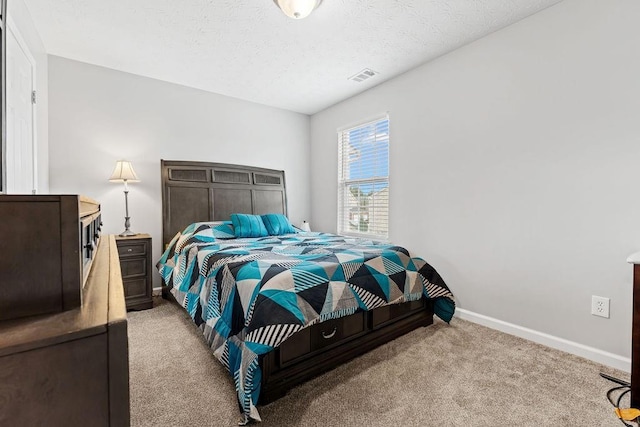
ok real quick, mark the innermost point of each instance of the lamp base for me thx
(127, 223)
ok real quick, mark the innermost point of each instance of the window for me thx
(363, 179)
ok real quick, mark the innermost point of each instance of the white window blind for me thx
(363, 179)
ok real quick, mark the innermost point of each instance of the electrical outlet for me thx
(600, 306)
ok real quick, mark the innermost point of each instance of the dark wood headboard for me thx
(201, 191)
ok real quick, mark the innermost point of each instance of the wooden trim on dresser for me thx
(117, 337)
(69, 215)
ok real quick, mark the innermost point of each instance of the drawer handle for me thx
(326, 337)
(129, 250)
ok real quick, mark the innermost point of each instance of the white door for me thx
(21, 153)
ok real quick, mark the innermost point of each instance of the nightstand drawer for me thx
(135, 287)
(133, 267)
(132, 249)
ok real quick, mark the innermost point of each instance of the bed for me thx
(280, 309)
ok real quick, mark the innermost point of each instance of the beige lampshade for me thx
(297, 9)
(124, 172)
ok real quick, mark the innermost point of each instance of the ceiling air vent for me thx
(363, 75)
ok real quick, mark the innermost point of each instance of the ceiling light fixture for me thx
(297, 9)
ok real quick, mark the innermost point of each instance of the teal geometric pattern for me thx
(248, 295)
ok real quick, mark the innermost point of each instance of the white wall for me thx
(99, 115)
(514, 168)
(19, 16)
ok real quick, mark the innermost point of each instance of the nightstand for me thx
(135, 263)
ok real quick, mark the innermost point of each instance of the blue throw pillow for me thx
(245, 225)
(277, 224)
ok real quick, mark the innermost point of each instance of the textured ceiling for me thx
(249, 49)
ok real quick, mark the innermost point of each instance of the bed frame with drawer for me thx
(195, 191)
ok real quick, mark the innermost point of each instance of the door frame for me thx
(13, 31)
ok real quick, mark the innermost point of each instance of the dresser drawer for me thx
(381, 315)
(132, 249)
(133, 267)
(320, 336)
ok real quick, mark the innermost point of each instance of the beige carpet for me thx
(461, 374)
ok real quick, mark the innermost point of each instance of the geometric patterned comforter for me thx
(248, 295)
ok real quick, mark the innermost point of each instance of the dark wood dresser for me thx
(135, 263)
(48, 242)
(70, 368)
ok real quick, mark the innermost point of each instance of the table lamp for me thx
(124, 173)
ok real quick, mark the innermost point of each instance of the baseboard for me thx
(156, 292)
(591, 353)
